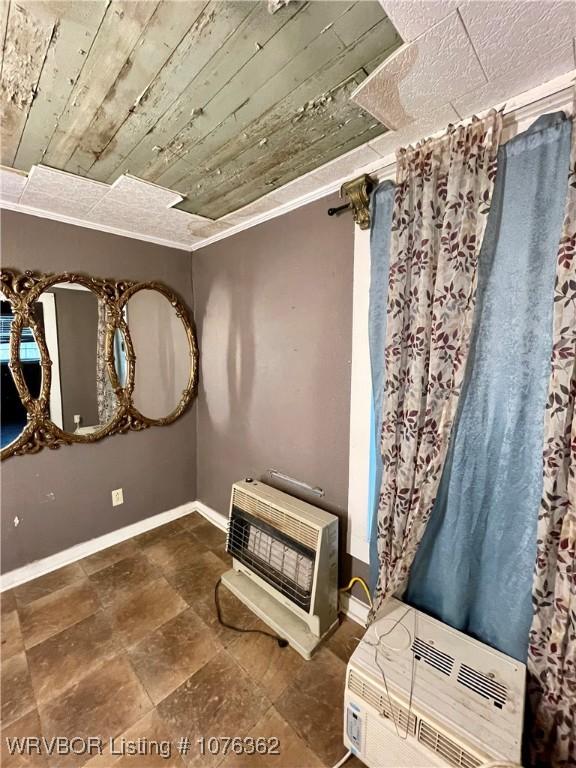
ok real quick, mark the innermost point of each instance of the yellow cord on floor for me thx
(358, 580)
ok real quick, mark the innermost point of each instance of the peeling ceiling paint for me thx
(459, 57)
(220, 100)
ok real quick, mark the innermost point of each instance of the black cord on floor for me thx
(280, 640)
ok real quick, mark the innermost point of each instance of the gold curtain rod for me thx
(357, 192)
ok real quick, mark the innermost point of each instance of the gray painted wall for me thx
(273, 309)
(63, 497)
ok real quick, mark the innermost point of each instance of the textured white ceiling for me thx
(11, 184)
(467, 54)
(518, 34)
(556, 62)
(129, 190)
(414, 17)
(129, 205)
(459, 57)
(47, 186)
(441, 64)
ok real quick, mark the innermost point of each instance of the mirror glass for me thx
(13, 413)
(120, 361)
(162, 353)
(29, 352)
(82, 400)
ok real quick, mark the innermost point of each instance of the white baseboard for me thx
(217, 518)
(354, 609)
(78, 551)
(350, 606)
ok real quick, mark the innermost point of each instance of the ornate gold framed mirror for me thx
(83, 358)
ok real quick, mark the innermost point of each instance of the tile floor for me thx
(125, 644)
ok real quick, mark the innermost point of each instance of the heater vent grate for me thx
(405, 721)
(441, 661)
(291, 526)
(483, 685)
(452, 752)
(286, 565)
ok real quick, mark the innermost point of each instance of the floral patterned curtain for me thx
(443, 195)
(552, 645)
(104, 392)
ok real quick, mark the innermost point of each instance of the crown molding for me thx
(4, 204)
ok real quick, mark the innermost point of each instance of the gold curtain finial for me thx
(357, 193)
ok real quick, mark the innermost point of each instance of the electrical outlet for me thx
(117, 497)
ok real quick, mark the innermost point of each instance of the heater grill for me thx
(282, 562)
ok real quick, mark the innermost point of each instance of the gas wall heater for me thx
(285, 562)
(421, 694)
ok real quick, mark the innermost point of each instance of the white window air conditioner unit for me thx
(420, 694)
(285, 563)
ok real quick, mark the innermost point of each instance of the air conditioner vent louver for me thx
(405, 721)
(483, 685)
(291, 526)
(441, 661)
(467, 698)
(452, 752)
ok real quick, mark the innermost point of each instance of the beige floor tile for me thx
(176, 552)
(353, 761)
(220, 699)
(224, 556)
(10, 635)
(196, 582)
(7, 601)
(171, 654)
(26, 727)
(206, 680)
(192, 520)
(104, 703)
(312, 705)
(233, 612)
(285, 749)
(64, 659)
(16, 687)
(345, 639)
(49, 583)
(51, 614)
(151, 728)
(144, 610)
(160, 533)
(209, 535)
(109, 556)
(271, 667)
(121, 579)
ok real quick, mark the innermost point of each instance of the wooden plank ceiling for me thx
(222, 101)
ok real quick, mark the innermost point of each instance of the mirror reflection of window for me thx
(13, 414)
(120, 362)
(45, 309)
(80, 378)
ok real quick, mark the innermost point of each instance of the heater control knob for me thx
(248, 480)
